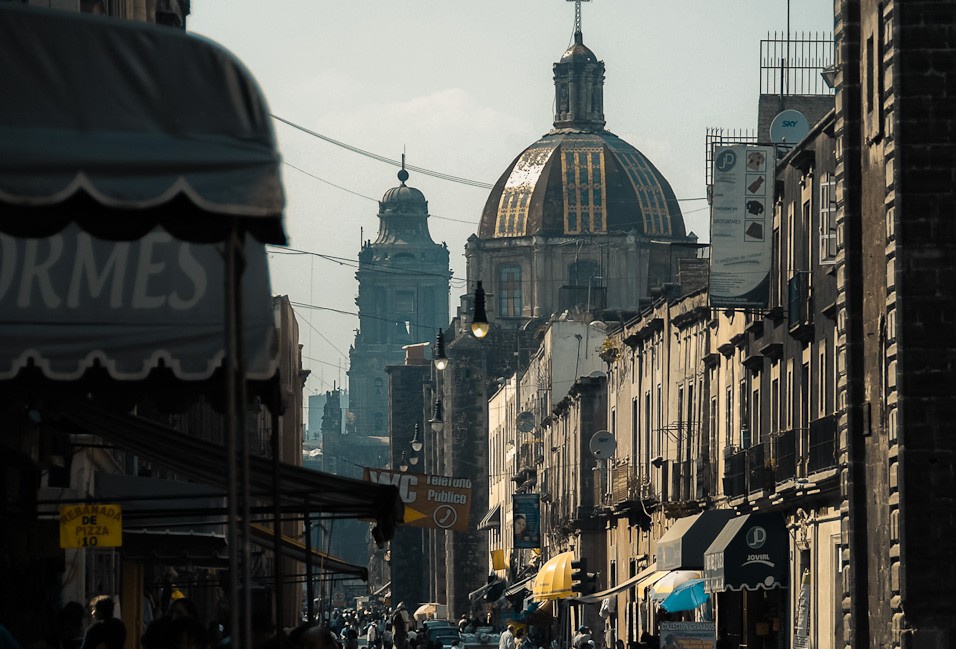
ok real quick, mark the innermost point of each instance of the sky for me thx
(462, 88)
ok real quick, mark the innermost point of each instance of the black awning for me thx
(296, 550)
(91, 315)
(492, 519)
(181, 548)
(204, 462)
(682, 546)
(122, 126)
(752, 552)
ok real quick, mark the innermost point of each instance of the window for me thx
(404, 303)
(584, 273)
(754, 419)
(775, 405)
(828, 225)
(509, 292)
(729, 416)
(744, 416)
(805, 396)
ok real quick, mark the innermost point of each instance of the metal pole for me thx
(309, 583)
(277, 526)
(229, 364)
(244, 487)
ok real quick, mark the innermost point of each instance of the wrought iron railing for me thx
(759, 472)
(785, 455)
(822, 444)
(735, 474)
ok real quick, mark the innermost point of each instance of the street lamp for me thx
(403, 464)
(438, 421)
(413, 460)
(416, 444)
(440, 360)
(479, 322)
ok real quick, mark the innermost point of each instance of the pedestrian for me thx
(581, 637)
(372, 636)
(521, 640)
(387, 636)
(106, 632)
(68, 628)
(507, 639)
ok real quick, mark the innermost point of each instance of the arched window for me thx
(584, 273)
(509, 292)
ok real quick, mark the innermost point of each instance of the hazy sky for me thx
(464, 87)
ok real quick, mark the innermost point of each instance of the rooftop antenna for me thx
(577, 14)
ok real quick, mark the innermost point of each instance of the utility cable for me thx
(381, 158)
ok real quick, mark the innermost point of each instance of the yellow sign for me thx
(91, 525)
(432, 501)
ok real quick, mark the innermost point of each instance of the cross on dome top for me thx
(577, 14)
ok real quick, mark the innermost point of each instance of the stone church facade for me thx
(403, 280)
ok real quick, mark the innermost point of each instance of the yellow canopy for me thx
(553, 580)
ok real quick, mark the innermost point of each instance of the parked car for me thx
(442, 634)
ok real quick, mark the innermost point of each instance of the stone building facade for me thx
(895, 206)
(403, 298)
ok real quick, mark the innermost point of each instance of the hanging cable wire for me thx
(381, 158)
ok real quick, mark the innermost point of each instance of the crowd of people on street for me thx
(179, 625)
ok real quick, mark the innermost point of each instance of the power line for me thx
(360, 195)
(387, 269)
(381, 158)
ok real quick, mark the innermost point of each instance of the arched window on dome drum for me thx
(585, 288)
(509, 292)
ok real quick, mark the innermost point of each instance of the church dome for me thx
(579, 52)
(580, 178)
(403, 199)
(571, 183)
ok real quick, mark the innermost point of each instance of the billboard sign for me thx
(432, 501)
(526, 521)
(741, 226)
(91, 525)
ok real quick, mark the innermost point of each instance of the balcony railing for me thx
(800, 307)
(759, 472)
(785, 455)
(822, 444)
(735, 474)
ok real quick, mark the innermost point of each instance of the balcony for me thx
(735, 472)
(785, 455)
(822, 450)
(800, 307)
(759, 471)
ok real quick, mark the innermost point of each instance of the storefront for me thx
(747, 569)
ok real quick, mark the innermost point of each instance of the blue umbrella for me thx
(686, 597)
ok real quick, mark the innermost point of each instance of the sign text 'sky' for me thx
(433, 501)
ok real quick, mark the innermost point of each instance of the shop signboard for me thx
(91, 525)
(687, 635)
(526, 523)
(741, 227)
(432, 501)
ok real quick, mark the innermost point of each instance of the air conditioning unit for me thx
(730, 449)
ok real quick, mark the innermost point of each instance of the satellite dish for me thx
(602, 444)
(789, 127)
(525, 422)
